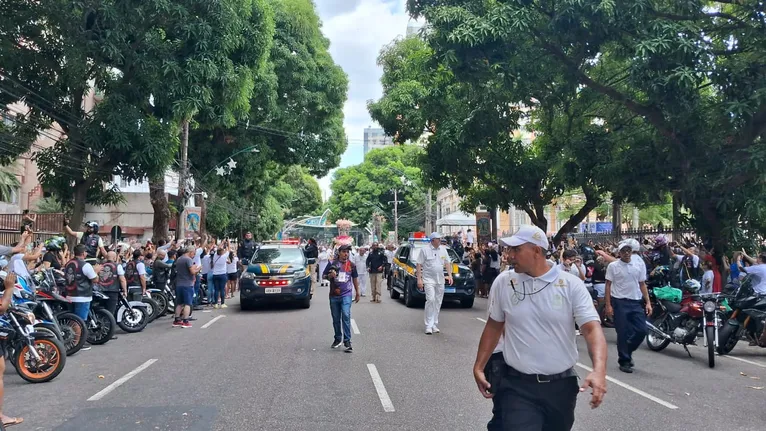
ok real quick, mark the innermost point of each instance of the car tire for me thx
(246, 305)
(409, 301)
(393, 293)
(467, 303)
(306, 303)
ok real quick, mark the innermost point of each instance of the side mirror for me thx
(466, 262)
(245, 262)
(311, 261)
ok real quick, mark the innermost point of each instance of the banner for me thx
(483, 228)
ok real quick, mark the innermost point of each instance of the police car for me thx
(278, 272)
(403, 281)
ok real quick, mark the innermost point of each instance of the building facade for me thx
(375, 138)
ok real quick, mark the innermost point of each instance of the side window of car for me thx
(403, 253)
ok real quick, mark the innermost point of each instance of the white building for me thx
(375, 138)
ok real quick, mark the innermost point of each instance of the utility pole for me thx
(429, 219)
(180, 228)
(396, 214)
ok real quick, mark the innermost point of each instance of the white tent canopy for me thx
(457, 218)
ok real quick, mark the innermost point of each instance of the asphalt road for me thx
(273, 369)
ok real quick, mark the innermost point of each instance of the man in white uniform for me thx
(432, 262)
(360, 260)
(535, 310)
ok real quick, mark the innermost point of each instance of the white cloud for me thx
(357, 31)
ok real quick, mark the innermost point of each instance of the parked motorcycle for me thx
(37, 356)
(72, 327)
(152, 307)
(132, 316)
(743, 321)
(683, 323)
(101, 322)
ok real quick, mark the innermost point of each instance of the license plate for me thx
(449, 290)
(272, 290)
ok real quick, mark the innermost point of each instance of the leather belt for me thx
(541, 378)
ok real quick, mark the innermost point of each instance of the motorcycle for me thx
(71, 326)
(743, 320)
(162, 295)
(101, 322)
(152, 307)
(37, 356)
(132, 316)
(682, 323)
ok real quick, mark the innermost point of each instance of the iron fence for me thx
(639, 234)
(43, 222)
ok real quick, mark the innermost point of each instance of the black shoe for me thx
(349, 349)
(626, 368)
(85, 347)
(191, 319)
(632, 364)
(335, 344)
(198, 308)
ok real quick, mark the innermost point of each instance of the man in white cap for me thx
(624, 293)
(432, 262)
(534, 308)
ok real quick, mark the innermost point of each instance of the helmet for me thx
(93, 225)
(55, 243)
(660, 240)
(692, 286)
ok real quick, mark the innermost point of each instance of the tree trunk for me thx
(78, 210)
(575, 219)
(159, 202)
(180, 228)
(493, 217)
(616, 217)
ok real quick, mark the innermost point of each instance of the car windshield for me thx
(454, 258)
(278, 255)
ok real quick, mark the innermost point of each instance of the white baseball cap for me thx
(630, 242)
(526, 234)
(435, 235)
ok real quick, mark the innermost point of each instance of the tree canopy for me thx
(636, 98)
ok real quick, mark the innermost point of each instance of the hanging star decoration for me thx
(232, 164)
(220, 171)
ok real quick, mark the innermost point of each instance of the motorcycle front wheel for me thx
(710, 334)
(51, 363)
(105, 325)
(132, 320)
(728, 336)
(74, 330)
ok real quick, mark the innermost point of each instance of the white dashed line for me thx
(213, 321)
(121, 380)
(354, 327)
(757, 364)
(388, 406)
(634, 390)
(481, 320)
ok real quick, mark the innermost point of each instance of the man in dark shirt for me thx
(376, 263)
(312, 252)
(186, 274)
(246, 249)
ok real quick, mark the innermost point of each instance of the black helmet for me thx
(93, 225)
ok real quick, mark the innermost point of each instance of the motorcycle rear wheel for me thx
(75, 332)
(152, 307)
(656, 343)
(162, 302)
(105, 327)
(710, 334)
(52, 361)
(728, 336)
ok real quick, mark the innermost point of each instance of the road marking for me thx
(481, 320)
(121, 380)
(634, 390)
(354, 327)
(388, 406)
(757, 364)
(213, 321)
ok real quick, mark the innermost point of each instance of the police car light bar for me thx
(419, 240)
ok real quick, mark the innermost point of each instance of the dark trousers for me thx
(630, 324)
(493, 371)
(526, 405)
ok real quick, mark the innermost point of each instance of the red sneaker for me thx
(186, 325)
(177, 323)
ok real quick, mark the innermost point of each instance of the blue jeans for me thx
(219, 284)
(81, 309)
(630, 325)
(340, 308)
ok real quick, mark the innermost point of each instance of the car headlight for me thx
(469, 275)
(248, 276)
(709, 306)
(299, 275)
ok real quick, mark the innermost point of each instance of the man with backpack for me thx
(135, 272)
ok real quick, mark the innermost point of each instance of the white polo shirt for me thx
(494, 292)
(539, 336)
(626, 278)
(433, 260)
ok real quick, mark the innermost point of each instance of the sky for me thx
(357, 30)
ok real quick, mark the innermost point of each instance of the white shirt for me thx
(389, 256)
(206, 264)
(232, 267)
(707, 281)
(324, 256)
(626, 278)
(19, 266)
(540, 327)
(432, 260)
(758, 270)
(120, 270)
(219, 263)
(469, 238)
(493, 295)
(198, 256)
(140, 267)
(572, 269)
(361, 263)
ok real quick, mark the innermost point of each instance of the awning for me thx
(457, 218)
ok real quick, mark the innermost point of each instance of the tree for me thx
(360, 191)
(8, 184)
(307, 196)
(686, 76)
(49, 205)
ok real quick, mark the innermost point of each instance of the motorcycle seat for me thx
(672, 307)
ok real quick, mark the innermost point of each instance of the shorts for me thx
(184, 295)
(232, 276)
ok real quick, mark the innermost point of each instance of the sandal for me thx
(14, 421)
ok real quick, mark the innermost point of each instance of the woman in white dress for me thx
(324, 259)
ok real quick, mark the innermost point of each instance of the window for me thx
(7, 118)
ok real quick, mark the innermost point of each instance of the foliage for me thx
(683, 80)
(8, 184)
(360, 191)
(49, 205)
(307, 196)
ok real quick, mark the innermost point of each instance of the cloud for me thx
(357, 30)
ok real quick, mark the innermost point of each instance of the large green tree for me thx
(361, 191)
(307, 196)
(686, 77)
